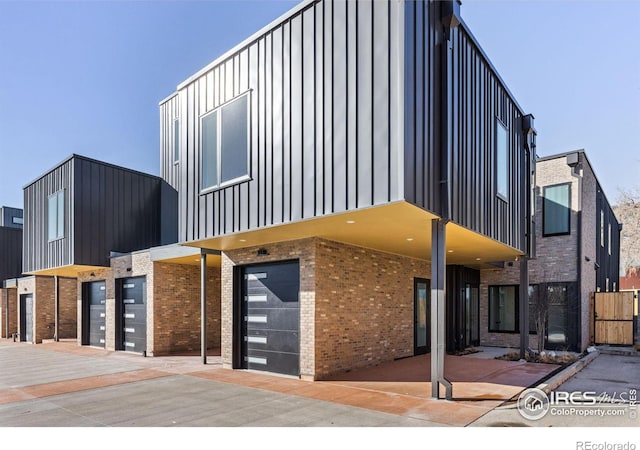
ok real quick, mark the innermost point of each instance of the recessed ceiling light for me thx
(449, 251)
(478, 259)
(409, 239)
(242, 240)
(351, 222)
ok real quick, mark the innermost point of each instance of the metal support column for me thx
(203, 307)
(56, 308)
(524, 306)
(438, 308)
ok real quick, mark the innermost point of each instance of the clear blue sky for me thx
(86, 77)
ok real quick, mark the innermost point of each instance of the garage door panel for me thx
(286, 363)
(96, 300)
(275, 340)
(134, 315)
(271, 318)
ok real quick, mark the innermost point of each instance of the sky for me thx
(86, 77)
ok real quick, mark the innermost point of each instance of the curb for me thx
(556, 380)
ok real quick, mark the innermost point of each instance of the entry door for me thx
(134, 314)
(422, 316)
(26, 318)
(472, 316)
(96, 300)
(270, 330)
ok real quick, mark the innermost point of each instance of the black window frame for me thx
(516, 308)
(176, 140)
(58, 220)
(544, 210)
(504, 196)
(219, 111)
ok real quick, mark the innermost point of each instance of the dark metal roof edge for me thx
(93, 161)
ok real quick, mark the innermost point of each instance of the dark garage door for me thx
(26, 318)
(134, 314)
(96, 300)
(271, 318)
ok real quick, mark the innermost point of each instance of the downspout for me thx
(450, 18)
(527, 168)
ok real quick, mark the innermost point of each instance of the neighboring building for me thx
(76, 216)
(10, 217)
(341, 159)
(577, 253)
(10, 267)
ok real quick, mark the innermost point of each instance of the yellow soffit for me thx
(70, 271)
(400, 228)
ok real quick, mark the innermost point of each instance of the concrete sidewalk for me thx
(61, 384)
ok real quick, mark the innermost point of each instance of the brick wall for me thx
(364, 306)
(8, 312)
(589, 245)
(177, 308)
(67, 308)
(44, 309)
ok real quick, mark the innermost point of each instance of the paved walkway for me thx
(61, 384)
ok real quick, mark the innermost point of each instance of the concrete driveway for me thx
(607, 380)
(61, 384)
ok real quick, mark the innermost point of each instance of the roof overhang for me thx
(180, 254)
(70, 271)
(399, 228)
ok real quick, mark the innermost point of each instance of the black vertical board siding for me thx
(107, 208)
(11, 245)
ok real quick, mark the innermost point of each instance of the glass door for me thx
(472, 315)
(422, 316)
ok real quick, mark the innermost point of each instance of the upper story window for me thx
(556, 209)
(225, 144)
(502, 160)
(176, 140)
(609, 239)
(56, 216)
(601, 228)
(17, 220)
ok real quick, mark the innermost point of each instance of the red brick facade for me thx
(8, 312)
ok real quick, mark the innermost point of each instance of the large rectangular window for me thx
(17, 220)
(502, 160)
(225, 144)
(503, 308)
(56, 216)
(556, 209)
(176, 140)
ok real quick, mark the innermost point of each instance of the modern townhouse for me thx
(82, 218)
(10, 267)
(577, 253)
(351, 162)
